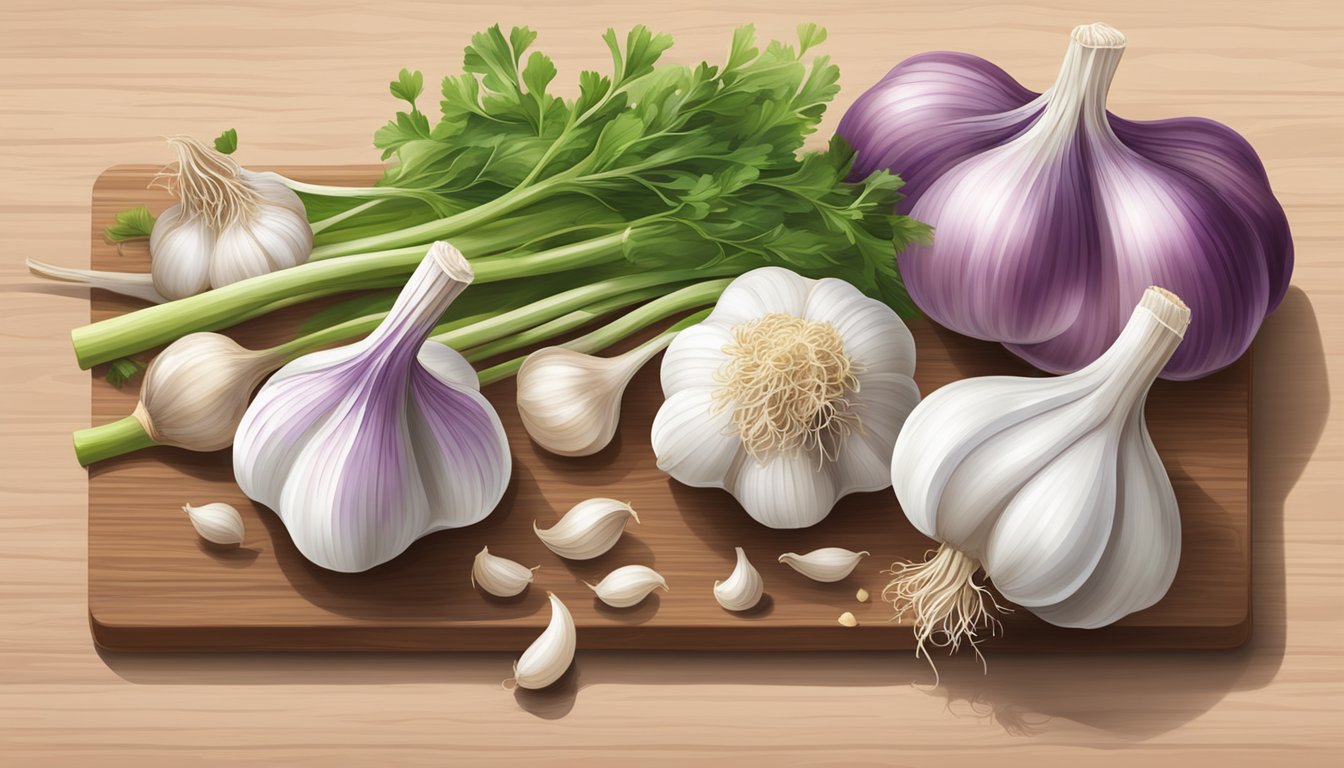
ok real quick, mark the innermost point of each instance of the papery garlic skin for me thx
(743, 588)
(570, 402)
(628, 585)
(500, 576)
(828, 564)
(547, 658)
(217, 523)
(1052, 486)
(695, 437)
(1051, 215)
(589, 529)
(365, 448)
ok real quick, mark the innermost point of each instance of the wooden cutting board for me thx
(154, 586)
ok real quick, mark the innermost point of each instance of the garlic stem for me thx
(137, 285)
(124, 435)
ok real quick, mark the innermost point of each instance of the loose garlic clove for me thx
(826, 564)
(847, 620)
(742, 590)
(588, 529)
(546, 660)
(861, 595)
(628, 585)
(217, 523)
(500, 576)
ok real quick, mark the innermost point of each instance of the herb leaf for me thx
(227, 142)
(131, 224)
(122, 370)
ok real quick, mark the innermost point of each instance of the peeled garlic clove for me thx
(861, 595)
(847, 620)
(550, 654)
(500, 576)
(825, 564)
(628, 585)
(742, 590)
(588, 529)
(217, 523)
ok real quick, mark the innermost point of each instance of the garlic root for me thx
(945, 603)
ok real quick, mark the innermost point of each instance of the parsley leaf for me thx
(227, 142)
(131, 224)
(122, 370)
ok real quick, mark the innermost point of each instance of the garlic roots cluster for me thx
(1052, 486)
(229, 224)
(365, 448)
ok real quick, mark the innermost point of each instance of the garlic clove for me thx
(628, 585)
(872, 332)
(693, 440)
(789, 491)
(272, 188)
(500, 576)
(589, 529)
(180, 248)
(861, 595)
(847, 620)
(217, 523)
(865, 454)
(743, 588)
(272, 238)
(827, 564)
(694, 356)
(770, 289)
(547, 658)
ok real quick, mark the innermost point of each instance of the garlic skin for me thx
(589, 529)
(743, 588)
(500, 576)
(365, 448)
(628, 585)
(217, 523)
(827, 564)
(547, 658)
(1051, 486)
(570, 402)
(786, 460)
(196, 391)
(229, 224)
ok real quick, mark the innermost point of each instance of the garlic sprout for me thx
(789, 396)
(365, 448)
(1051, 486)
(229, 224)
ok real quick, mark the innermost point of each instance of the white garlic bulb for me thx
(789, 396)
(217, 523)
(229, 224)
(547, 658)
(826, 564)
(628, 585)
(588, 529)
(500, 576)
(570, 402)
(743, 588)
(1051, 485)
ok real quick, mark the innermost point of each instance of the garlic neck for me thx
(1144, 346)
(440, 278)
(1079, 93)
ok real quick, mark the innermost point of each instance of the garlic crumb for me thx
(847, 620)
(861, 595)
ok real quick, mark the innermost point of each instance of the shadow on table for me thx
(1131, 696)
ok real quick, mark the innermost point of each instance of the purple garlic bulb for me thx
(1051, 216)
(365, 448)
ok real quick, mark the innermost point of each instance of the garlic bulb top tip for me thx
(1098, 35)
(1168, 308)
(452, 262)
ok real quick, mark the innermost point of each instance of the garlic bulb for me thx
(229, 224)
(826, 564)
(217, 523)
(789, 396)
(1052, 486)
(570, 402)
(588, 529)
(628, 585)
(743, 588)
(1052, 215)
(547, 658)
(365, 448)
(500, 576)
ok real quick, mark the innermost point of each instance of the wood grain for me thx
(86, 85)
(153, 586)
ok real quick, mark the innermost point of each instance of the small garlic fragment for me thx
(547, 658)
(861, 595)
(847, 620)
(500, 576)
(742, 590)
(628, 585)
(217, 523)
(825, 564)
(588, 529)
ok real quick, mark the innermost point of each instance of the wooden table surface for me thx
(84, 85)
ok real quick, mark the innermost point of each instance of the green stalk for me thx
(103, 442)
